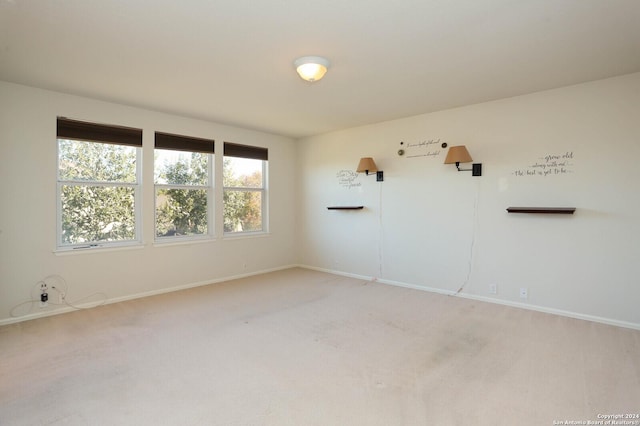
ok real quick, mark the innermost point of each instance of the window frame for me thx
(187, 144)
(255, 153)
(106, 134)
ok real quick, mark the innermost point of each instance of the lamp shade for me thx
(311, 68)
(367, 165)
(458, 154)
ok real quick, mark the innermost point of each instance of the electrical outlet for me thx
(44, 295)
(493, 288)
(524, 293)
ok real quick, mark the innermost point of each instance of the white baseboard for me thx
(89, 305)
(544, 309)
(576, 315)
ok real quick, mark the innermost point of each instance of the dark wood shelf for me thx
(542, 210)
(345, 207)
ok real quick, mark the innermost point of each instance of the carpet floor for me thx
(300, 347)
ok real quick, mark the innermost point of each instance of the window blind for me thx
(245, 151)
(184, 143)
(85, 131)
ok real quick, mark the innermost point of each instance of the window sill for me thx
(96, 249)
(182, 241)
(245, 235)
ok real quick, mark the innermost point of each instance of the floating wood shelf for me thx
(345, 207)
(543, 210)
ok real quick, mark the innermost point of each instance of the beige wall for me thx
(426, 226)
(429, 226)
(28, 211)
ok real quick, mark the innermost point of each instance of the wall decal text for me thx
(427, 148)
(549, 165)
(347, 179)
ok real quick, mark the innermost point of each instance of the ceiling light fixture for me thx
(311, 68)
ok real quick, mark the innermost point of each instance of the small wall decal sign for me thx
(549, 165)
(425, 148)
(347, 179)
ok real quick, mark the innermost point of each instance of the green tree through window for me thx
(243, 194)
(181, 197)
(97, 192)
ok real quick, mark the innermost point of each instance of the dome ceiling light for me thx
(311, 68)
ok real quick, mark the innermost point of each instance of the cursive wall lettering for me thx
(548, 165)
(426, 148)
(347, 179)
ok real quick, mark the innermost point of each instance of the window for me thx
(244, 179)
(98, 184)
(183, 184)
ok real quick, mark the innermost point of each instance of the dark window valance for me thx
(245, 151)
(85, 131)
(184, 143)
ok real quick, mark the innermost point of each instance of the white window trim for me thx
(210, 188)
(264, 201)
(90, 246)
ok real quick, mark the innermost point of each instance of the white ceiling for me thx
(231, 61)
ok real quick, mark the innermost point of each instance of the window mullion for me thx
(97, 183)
(178, 186)
(242, 188)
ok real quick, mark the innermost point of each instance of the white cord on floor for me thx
(380, 232)
(473, 242)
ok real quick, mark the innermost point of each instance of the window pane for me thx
(242, 211)
(98, 162)
(180, 168)
(181, 212)
(97, 213)
(242, 172)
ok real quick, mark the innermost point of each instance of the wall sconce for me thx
(459, 154)
(367, 165)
